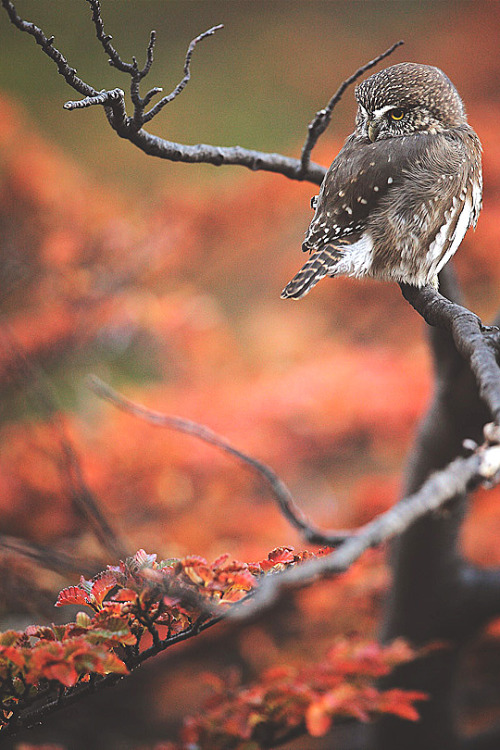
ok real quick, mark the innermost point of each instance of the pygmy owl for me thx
(401, 194)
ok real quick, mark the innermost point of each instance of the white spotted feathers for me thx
(399, 197)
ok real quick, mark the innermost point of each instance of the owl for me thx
(399, 197)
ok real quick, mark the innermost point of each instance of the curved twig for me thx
(322, 118)
(280, 491)
(148, 116)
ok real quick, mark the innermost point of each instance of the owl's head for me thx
(405, 99)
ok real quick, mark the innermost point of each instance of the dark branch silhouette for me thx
(84, 502)
(478, 344)
(131, 127)
(47, 557)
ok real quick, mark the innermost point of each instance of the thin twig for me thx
(48, 558)
(46, 43)
(278, 488)
(105, 40)
(322, 118)
(187, 75)
(84, 501)
(104, 98)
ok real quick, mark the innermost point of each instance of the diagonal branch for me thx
(48, 558)
(460, 475)
(47, 45)
(322, 118)
(105, 40)
(479, 345)
(280, 491)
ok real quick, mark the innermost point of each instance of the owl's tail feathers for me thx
(319, 265)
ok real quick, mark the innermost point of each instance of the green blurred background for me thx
(256, 83)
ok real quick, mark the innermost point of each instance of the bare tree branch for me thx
(280, 491)
(460, 475)
(187, 75)
(49, 558)
(105, 39)
(479, 345)
(130, 128)
(106, 98)
(46, 43)
(322, 118)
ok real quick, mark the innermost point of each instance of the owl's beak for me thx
(373, 130)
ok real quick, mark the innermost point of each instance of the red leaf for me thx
(102, 586)
(400, 703)
(72, 595)
(280, 555)
(318, 719)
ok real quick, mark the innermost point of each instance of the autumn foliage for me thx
(173, 599)
(176, 302)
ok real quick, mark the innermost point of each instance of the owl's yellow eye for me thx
(397, 114)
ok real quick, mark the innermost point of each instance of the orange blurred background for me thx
(164, 279)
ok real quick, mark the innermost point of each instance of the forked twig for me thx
(187, 75)
(131, 127)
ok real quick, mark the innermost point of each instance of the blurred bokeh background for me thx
(164, 279)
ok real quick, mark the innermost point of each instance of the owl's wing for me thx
(427, 218)
(417, 193)
(358, 179)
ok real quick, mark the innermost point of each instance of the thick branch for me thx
(280, 491)
(218, 156)
(430, 597)
(477, 344)
(460, 475)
